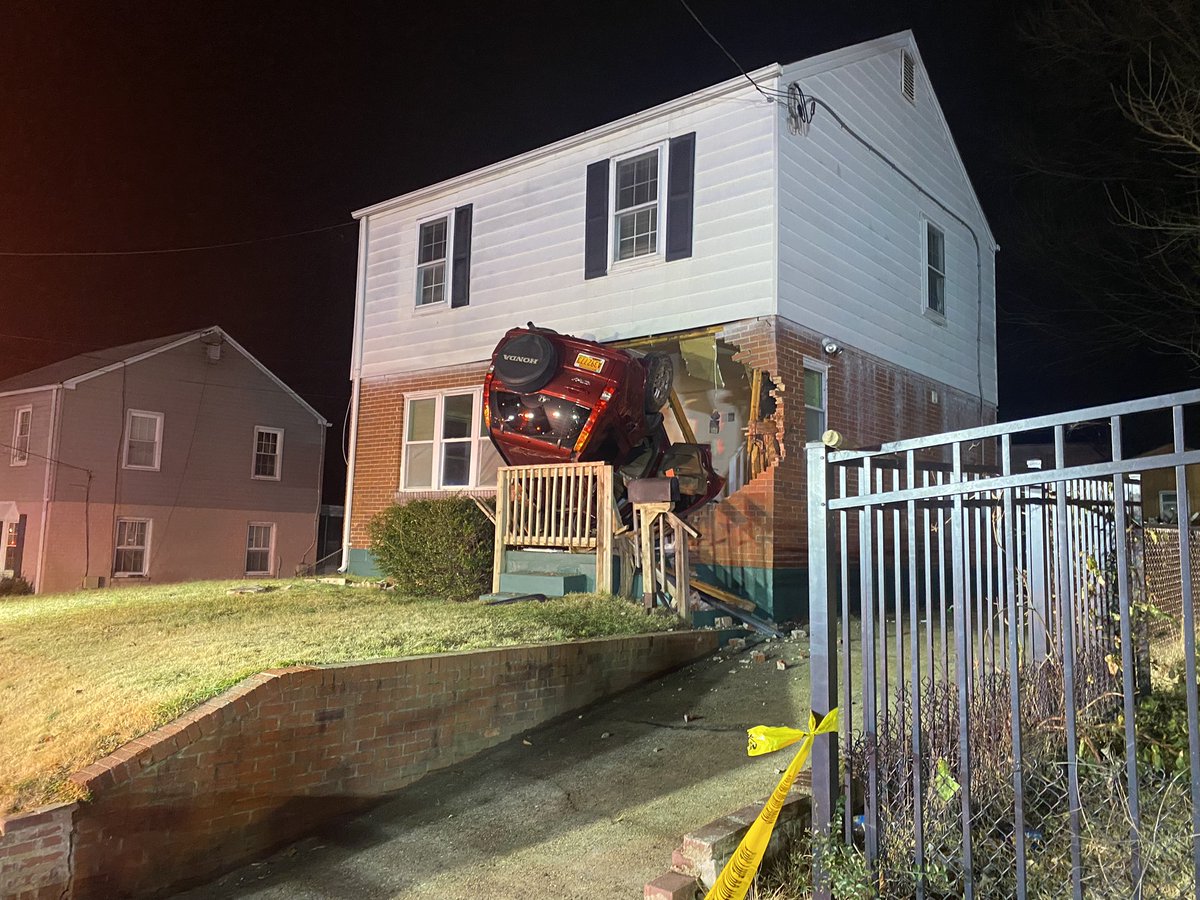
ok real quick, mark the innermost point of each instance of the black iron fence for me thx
(986, 634)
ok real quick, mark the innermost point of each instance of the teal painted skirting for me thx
(780, 594)
(362, 563)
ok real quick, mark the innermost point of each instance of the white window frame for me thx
(20, 442)
(158, 436)
(660, 238)
(1174, 502)
(278, 432)
(812, 365)
(447, 261)
(477, 439)
(145, 548)
(270, 548)
(926, 309)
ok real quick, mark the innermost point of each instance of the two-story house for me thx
(807, 247)
(171, 459)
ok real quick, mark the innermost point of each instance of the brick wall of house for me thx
(35, 853)
(269, 760)
(380, 427)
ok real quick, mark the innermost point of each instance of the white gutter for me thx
(48, 485)
(360, 292)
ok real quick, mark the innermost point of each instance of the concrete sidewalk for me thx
(589, 807)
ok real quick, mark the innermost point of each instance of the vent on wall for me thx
(908, 77)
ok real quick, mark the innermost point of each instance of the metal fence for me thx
(979, 628)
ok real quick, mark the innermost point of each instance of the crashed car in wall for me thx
(554, 398)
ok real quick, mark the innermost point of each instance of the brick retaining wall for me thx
(270, 759)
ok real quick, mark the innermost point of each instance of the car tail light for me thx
(597, 412)
(487, 396)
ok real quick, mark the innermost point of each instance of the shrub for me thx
(435, 548)
(14, 586)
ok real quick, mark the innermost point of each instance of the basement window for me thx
(132, 547)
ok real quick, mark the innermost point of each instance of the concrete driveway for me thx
(587, 807)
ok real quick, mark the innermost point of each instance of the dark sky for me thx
(161, 125)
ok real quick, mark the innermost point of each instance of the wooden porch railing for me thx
(567, 506)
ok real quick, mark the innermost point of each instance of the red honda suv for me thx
(554, 398)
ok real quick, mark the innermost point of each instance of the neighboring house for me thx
(814, 260)
(1160, 492)
(166, 460)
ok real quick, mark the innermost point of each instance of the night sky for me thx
(166, 125)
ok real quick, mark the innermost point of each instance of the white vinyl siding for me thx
(260, 548)
(852, 256)
(22, 424)
(131, 556)
(268, 453)
(527, 245)
(445, 444)
(143, 439)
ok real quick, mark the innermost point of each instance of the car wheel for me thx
(526, 363)
(660, 374)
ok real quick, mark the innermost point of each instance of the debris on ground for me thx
(781, 664)
(758, 656)
(250, 589)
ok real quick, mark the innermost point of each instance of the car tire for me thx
(660, 374)
(526, 363)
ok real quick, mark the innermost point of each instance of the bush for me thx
(14, 586)
(435, 548)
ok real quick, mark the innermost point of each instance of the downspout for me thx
(48, 485)
(360, 288)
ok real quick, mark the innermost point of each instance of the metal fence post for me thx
(822, 649)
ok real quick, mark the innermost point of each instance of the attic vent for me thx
(908, 77)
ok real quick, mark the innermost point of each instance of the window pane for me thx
(814, 424)
(431, 284)
(937, 292)
(141, 453)
(637, 180)
(937, 248)
(456, 464)
(142, 428)
(456, 416)
(433, 241)
(420, 419)
(489, 461)
(418, 466)
(814, 389)
(637, 233)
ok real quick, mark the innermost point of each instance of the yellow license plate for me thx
(589, 363)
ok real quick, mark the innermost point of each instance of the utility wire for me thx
(713, 38)
(168, 250)
(29, 452)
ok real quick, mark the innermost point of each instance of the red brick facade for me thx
(271, 759)
(761, 526)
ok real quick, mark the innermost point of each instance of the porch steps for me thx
(552, 584)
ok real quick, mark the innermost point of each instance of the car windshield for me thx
(540, 416)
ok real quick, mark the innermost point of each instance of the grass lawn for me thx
(81, 674)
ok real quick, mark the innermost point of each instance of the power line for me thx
(713, 38)
(168, 250)
(29, 452)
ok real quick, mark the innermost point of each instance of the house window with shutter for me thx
(444, 259)
(635, 206)
(640, 205)
(22, 422)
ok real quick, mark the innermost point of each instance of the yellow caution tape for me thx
(734, 880)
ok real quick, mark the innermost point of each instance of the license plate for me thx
(589, 363)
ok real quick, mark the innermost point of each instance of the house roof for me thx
(84, 366)
(811, 65)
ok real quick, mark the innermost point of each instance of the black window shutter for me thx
(681, 185)
(460, 279)
(595, 234)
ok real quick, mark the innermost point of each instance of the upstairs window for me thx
(143, 439)
(635, 206)
(432, 243)
(814, 404)
(935, 269)
(445, 443)
(22, 422)
(133, 544)
(268, 453)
